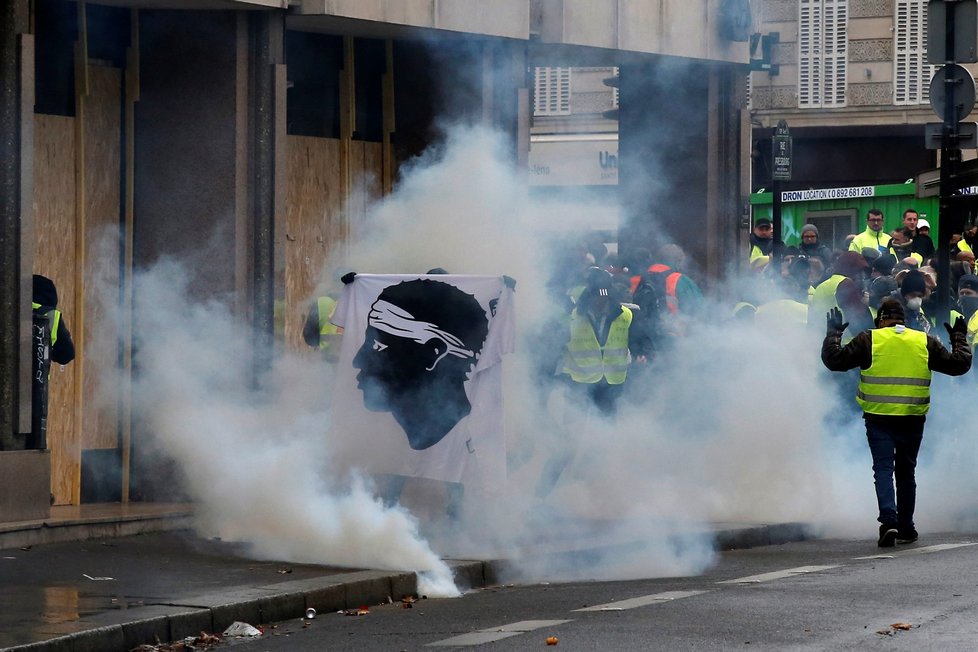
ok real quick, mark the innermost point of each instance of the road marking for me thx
(497, 633)
(641, 601)
(777, 575)
(936, 548)
(940, 547)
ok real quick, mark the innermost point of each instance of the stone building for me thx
(851, 79)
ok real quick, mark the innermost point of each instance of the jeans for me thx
(894, 443)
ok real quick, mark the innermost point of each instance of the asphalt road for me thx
(828, 595)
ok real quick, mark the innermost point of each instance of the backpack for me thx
(650, 297)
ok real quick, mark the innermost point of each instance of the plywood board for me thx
(103, 135)
(54, 257)
(319, 218)
(313, 194)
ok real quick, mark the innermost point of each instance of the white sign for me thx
(573, 163)
(828, 193)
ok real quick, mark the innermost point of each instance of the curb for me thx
(16, 535)
(214, 612)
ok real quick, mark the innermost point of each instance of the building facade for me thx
(851, 79)
(133, 130)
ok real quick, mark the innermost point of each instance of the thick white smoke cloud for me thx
(256, 461)
(730, 426)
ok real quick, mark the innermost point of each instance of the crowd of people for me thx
(876, 265)
(876, 302)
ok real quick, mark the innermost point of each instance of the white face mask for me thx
(914, 304)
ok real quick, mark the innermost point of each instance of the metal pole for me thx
(777, 245)
(950, 157)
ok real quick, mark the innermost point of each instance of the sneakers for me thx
(888, 535)
(906, 535)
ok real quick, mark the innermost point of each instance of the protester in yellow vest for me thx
(873, 236)
(601, 347)
(761, 243)
(45, 301)
(319, 333)
(894, 394)
(597, 354)
(843, 289)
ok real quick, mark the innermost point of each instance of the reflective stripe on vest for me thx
(897, 383)
(54, 317)
(587, 361)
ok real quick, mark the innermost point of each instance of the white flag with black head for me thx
(419, 391)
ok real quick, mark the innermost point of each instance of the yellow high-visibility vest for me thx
(54, 315)
(329, 334)
(823, 299)
(897, 383)
(587, 361)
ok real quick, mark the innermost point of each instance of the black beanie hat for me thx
(44, 292)
(913, 282)
(969, 281)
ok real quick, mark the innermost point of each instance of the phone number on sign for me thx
(828, 193)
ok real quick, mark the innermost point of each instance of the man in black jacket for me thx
(45, 302)
(894, 393)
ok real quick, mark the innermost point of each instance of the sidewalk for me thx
(108, 578)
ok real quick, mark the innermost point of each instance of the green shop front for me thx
(839, 212)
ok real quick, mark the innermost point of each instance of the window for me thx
(551, 91)
(823, 45)
(911, 72)
(834, 225)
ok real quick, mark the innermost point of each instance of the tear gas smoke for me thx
(256, 461)
(729, 426)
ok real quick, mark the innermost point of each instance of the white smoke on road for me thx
(256, 461)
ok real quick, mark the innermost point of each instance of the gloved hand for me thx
(959, 327)
(348, 277)
(833, 322)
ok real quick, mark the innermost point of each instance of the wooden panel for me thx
(319, 218)
(54, 257)
(372, 175)
(102, 134)
(313, 196)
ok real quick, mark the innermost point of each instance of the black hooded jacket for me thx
(46, 294)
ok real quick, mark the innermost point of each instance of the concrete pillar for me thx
(267, 133)
(680, 159)
(16, 100)
(726, 99)
(664, 153)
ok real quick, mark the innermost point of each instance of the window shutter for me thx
(911, 72)
(823, 52)
(809, 35)
(902, 63)
(551, 91)
(838, 45)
